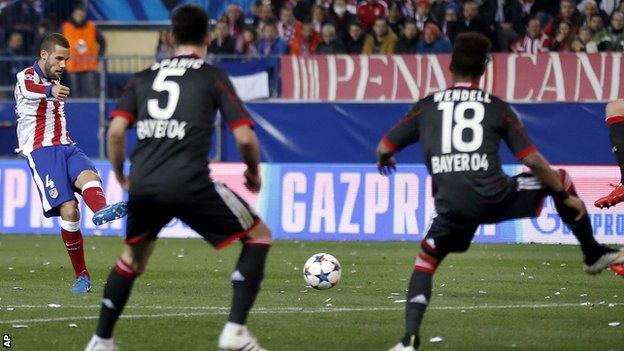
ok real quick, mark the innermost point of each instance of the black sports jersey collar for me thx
(465, 85)
(185, 54)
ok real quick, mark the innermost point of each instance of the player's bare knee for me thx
(260, 233)
(566, 180)
(69, 211)
(135, 264)
(614, 109)
(87, 176)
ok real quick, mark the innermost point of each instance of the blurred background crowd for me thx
(271, 28)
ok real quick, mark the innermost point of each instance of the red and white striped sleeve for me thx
(29, 86)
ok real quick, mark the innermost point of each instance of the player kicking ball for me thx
(173, 105)
(460, 130)
(59, 168)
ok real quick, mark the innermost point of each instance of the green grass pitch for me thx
(494, 297)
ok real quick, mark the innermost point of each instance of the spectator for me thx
(438, 8)
(341, 18)
(355, 39)
(381, 41)
(534, 41)
(271, 44)
(14, 53)
(409, 9)
(223, 43)
(302, 10)
(287, 25)
(165, 47)
(506, 20)
(433, 42)
(567, 12)
(330, 45)
(590, 8)
(306, 41)
(408, 40)
(600, 35)
(246, 43)
(609, 6)
(395, 18)
(423, 14)
(583, 43)
(235, 19)
(318, 17)
(449, 25)
(616, 31)
(23, 17)
(471, 21)
(86, 44)
(540, 9)
(563, 39)
(369, 11)
(44, 28)
(264, 16)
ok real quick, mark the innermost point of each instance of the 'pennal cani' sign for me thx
(543, 77)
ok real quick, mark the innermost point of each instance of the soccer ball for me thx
(321, 271)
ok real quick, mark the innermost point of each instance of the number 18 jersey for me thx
(460, 130)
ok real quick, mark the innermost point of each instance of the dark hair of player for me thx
(49, 43)
(470, 55)
(189, 24)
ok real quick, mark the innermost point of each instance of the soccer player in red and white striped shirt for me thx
(59, 167)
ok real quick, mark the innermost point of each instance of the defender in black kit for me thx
(173, 105)
(460, 130)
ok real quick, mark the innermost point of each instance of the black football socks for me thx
(116, 293)
(616, 136)
(246, 279)
(418, 297)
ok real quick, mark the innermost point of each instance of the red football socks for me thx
(73, 244)
(93, 195)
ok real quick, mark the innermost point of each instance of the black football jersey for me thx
(173, 105)
(460, 130)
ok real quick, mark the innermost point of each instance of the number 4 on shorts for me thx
(49, 183)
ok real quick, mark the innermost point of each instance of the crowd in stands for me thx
(318, 27)
(327, 27)
(25, 23)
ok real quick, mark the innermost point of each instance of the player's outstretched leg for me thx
(91, 188)
(419, 294)
(246, 280)
(615, 122)
(130, 265)
(597, 257)
(72, 237)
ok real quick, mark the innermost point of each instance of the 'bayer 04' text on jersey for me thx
(173, 105)
(460, 130)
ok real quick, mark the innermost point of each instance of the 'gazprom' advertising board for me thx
(328, 202)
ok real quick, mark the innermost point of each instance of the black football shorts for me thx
(216, 213)
(527, 200)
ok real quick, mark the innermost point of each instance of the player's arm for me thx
(33, 90)
(404, 133)
(512, 131)
(249, 149)
(123, 117)
(116, 143)
(240, 123)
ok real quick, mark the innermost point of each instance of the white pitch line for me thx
(290, 310)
